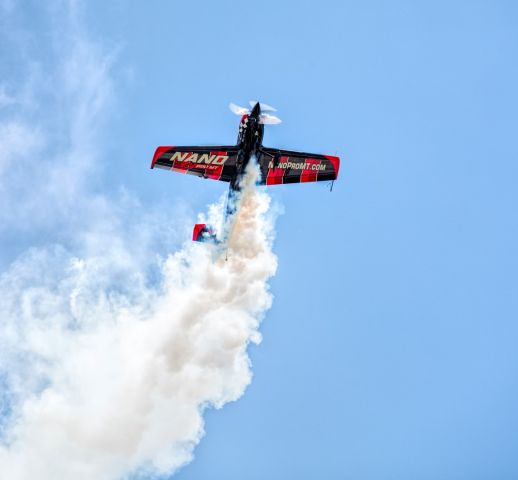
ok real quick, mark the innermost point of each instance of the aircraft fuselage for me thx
(249, 141)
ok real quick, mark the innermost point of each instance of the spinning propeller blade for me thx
(265, 107)
(267, 119)
(237, 109)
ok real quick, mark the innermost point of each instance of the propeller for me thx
(264, 106)
(268, 119)
(264, 118)
(237, 109)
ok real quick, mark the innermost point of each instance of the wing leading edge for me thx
(216, 162)
(285, 166)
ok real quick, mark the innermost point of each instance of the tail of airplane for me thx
(204, 233)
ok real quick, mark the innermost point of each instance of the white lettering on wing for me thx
(204, 158)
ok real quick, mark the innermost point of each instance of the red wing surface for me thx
(216, 162)
(284, 166)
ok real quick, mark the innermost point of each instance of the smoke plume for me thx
(111, 347)
(109, 376)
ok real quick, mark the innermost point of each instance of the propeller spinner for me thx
(264, 118)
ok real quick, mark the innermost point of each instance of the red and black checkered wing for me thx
(285, 166)
(216, 162)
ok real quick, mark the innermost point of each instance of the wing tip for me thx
(336, 163)
(158, 152)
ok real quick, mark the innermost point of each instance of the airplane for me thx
(228, 163)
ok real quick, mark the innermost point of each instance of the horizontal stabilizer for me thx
(204, 233)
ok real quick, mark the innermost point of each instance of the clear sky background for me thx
(390, 351)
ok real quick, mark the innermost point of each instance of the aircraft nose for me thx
(256, 110)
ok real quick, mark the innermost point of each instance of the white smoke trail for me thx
(119, 377)
(108, 353)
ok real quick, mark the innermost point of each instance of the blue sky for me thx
(390, 349)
